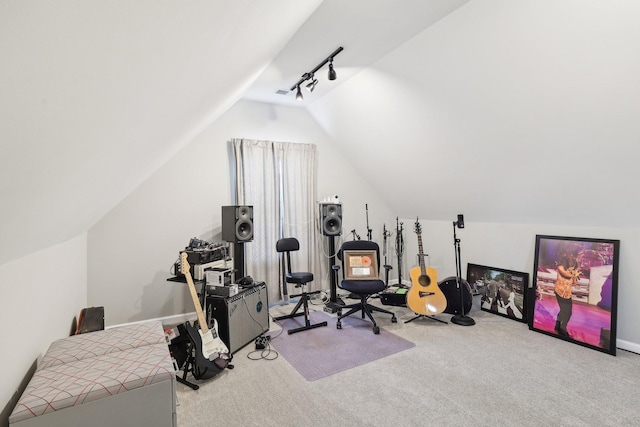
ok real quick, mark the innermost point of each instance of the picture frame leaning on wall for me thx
(503, 292)
(575, 290)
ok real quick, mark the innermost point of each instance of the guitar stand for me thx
(188, 367)
(304, 302)
(420, 316)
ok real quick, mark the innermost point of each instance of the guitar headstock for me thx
(418, 227)
(184, 264)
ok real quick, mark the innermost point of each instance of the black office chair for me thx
(300, 279)
(360, 276)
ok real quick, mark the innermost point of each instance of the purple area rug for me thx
(320, 352)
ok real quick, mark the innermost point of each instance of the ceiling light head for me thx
(312, 84)
(299, 94)
(332, 72)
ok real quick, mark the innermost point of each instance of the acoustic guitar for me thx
(425, 296)
(211, 353)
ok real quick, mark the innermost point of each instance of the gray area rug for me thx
(323, 351)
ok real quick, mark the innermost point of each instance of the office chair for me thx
(360, 276)
(285, 246)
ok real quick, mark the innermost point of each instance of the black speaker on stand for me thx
(331, 219)
(237, 228)
(331, 226)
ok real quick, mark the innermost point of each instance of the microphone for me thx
(460, 221)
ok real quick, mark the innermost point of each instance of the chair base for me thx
(304, 303)
(367, 309)
(420, 316)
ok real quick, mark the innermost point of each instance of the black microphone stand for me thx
(369, 231)
(399, 251)
(385, 245)
(460, 318)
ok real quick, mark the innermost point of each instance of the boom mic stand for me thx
(461, 318)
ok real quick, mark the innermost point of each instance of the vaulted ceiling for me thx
(481, 100)
(97, 95)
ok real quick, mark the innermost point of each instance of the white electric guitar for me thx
(209, 348)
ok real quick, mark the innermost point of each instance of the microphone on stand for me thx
(460, 318)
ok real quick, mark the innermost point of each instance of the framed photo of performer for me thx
(503, 292)
(575, 290)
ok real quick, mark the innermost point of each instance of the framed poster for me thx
(576, 290)
(504, 292)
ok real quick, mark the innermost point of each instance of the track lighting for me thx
(332, 72)
(310, 75)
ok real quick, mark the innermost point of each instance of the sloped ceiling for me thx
(96, 95)
(504, 111)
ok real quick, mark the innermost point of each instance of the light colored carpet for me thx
(495, 373)
(319, 352)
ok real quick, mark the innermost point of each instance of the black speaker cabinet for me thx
(241, 318)
(331, 219)
(237, 224)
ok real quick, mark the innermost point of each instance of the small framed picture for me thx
(360, 264)
(575, 288)
(504, 292)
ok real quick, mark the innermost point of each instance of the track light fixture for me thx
(332, 72)
(312, 84)
(310, 75)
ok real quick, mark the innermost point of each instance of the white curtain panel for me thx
(279, 180)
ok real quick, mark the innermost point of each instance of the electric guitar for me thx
(211, 353)
(425, 296)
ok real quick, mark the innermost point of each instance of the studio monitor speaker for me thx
(331, 219)
(237, 224)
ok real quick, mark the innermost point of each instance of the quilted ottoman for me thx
(118, 376)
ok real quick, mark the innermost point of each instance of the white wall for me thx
(131, 250)
(41, 294)
(512, 246)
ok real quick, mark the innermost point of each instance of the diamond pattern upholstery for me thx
(79, 347)
(87, 367)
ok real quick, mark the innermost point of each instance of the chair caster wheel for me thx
(376, 330)
(394, 319)
(339, 325)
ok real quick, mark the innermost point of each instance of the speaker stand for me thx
(238, 260)
(334, 303)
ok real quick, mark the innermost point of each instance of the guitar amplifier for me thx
(241, 318)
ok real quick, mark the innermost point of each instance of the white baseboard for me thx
(166, 320)
(629, 346)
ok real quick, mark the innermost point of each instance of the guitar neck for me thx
(423, 268)
(196, 303)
